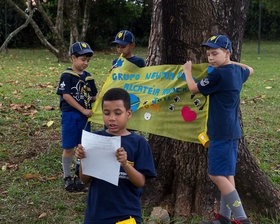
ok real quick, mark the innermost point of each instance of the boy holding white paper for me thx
(107, 203)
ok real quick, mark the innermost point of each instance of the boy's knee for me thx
(214, 178)
(68, 152)
(211, 177)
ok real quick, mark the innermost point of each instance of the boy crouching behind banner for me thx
(107, 203)
(125, 43)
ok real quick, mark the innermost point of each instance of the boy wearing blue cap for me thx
(223, 85)
(77, 91)
(125, 42)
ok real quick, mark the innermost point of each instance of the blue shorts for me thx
(73, 123)
(222, 156)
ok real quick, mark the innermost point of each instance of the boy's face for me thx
(115, 117)
(80, 63)
(218, 57)
(126, 50)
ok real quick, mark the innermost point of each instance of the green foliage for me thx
(270, 20)
(268, 5)
(111, 16)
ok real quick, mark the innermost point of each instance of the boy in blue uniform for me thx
(223, 85)
(107, 203)
(77, 91)
(125, 42)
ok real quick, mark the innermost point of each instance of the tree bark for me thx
(73, 20)
(57, 30)
(177, 31)
(72, 11)
(85, 23)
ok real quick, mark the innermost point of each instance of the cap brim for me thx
(210, 45)
(120, 42)
(85, 51)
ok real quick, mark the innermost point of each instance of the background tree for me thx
(178, 28)
(60, 46)
(17, 30)
(75, 20)
(58, 24)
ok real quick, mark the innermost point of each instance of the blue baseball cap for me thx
(218, 41)
(124, 37)
(80, 48)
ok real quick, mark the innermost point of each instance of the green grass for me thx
(261, 105)
(28, 101)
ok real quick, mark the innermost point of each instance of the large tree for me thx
(178, 28)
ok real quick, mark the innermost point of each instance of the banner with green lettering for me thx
(160, 99)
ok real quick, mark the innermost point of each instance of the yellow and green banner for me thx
(161, 101)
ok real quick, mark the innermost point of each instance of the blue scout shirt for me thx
(107, 203)
(81, 87)
(135, 60)
(223, 85)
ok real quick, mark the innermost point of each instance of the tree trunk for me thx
(85, 20)
(73, 17)
(73, 12)
(177, 31)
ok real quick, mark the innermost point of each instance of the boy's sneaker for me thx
(69, 185)
(219, 219)
(78, 184)
(242, 221)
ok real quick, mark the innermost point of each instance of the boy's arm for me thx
(70, 100)
(84, 178)
(244, 66)
(80, 154)
(137, 178)
(187, 67)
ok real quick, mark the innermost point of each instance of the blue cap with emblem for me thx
(218, 41)
(80, 48)
(124, 37)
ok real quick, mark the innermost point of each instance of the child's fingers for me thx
(121, 154)
(80, 152)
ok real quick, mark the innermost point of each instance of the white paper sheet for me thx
(101, 161)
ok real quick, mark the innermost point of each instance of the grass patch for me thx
(29, 79)
(260, 106)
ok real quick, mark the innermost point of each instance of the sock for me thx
(233, 201)
(67, 163)
(78, 161)
(224, 208)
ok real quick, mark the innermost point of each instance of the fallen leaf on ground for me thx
(42, 215)
(48, 108)
(12, 166)
(31, 176)
(257, 160)
(50, 123)
(51, 178)
(268, 87)
(4, 167)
